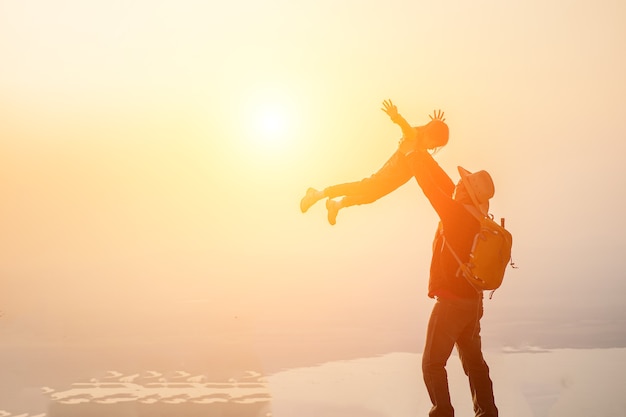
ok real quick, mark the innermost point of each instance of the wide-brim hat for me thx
(480, 188)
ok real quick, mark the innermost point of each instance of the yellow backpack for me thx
(489, 256)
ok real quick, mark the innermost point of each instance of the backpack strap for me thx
(474, 212)
(463, 269)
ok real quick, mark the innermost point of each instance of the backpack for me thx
(489, 256)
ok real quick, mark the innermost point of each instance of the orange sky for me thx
(136, 174)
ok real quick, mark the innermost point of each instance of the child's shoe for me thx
(333, 208)
(310, 198)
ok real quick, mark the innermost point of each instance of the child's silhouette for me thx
(394, 173)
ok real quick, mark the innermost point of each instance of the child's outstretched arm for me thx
(407, 131)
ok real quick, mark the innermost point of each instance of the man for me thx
(393, 174)
(455, 318)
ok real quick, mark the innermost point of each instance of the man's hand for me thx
(392, 111)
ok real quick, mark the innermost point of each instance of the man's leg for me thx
(470, 352)
(446, 322)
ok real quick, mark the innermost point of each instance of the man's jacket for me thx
(457, 226)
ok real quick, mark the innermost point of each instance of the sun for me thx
(269, 118)
(272, 124)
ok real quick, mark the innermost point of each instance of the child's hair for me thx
(438, 129)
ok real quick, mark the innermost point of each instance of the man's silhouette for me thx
(455, 318)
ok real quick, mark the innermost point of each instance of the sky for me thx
(153, 156)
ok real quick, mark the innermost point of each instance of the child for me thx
(392, 175)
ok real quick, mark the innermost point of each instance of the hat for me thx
(480, 188)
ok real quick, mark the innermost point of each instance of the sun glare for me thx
(272, 124)
(269, 119)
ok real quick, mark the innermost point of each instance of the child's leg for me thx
(312, 195)
(333, 206)
(356, 200)
(389, 177)
(348, 188)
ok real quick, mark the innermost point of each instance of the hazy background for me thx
(153, 155)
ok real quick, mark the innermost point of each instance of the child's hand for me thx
(438, 115)
(391, 110)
